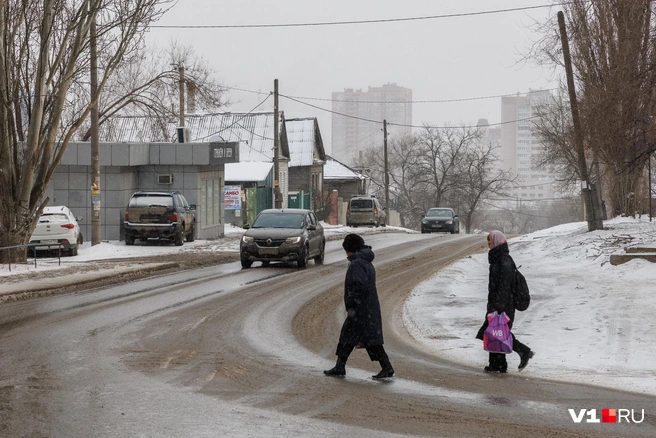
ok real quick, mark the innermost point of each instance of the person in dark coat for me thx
(363, 325)
(500, 299)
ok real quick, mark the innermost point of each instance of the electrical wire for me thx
(400, 124)
(353, 22)
(463, 99)
(236, 122)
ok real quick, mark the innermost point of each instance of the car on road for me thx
(365, 210)
(57, 226)
(443, 220)
(159, 215)
(283, 235)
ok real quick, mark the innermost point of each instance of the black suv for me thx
(283, 235)
(161, 215)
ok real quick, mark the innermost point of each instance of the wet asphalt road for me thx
(222, 351)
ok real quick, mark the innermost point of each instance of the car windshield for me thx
(439, 213)
(361, 203)
(279, 220)
(151, 200)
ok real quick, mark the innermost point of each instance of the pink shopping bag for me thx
(497, 337)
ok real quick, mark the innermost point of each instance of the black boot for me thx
(338, 370)
(524, 357)
(387, 370)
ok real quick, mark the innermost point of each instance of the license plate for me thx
(268, 251)
(437, 226)
(47, 242)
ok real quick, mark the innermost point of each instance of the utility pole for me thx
(387, 203)
(181, 83)
(95, 142)
(588, 194)
(276, 146)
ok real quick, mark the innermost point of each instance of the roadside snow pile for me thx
(588, 322)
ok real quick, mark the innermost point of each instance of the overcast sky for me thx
(439, 59)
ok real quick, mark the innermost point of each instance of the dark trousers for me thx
(498, 360)
(375, 352)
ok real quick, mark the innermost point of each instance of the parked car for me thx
(57, 225)
(159, 215)
(440, 220)
(365, 210)
(284, 235)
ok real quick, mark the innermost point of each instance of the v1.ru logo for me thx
(607, 416)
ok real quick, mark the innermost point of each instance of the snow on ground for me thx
(589, 321)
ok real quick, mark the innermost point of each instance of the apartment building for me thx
(519, 147)
(357, 120)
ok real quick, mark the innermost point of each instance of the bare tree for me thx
(44, 52)
(613, 53)
(477, 178)
(407, 184)
(148, 85)
(441, 152)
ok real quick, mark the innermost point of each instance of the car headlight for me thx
(247, 239)
(424, 222)
(293, 239)
(449, 222)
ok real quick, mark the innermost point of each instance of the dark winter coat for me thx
(363, 321)
(499, 289)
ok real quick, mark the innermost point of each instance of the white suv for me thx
(57, 226)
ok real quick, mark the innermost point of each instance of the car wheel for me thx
(80, 239)
(303, 258)
(265, 264)
(245, 264)
(190, 235)
(318, 260)
(423, 231)
(73, 251)
(178, 239)
(129, 240)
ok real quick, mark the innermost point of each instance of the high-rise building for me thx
(519, 147)
(357, 120)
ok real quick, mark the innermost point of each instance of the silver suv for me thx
(365, 210)
(283, 235)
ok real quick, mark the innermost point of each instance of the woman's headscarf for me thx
(497, 238)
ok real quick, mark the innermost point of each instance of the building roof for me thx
(254, 131)
(247, 171)
(305, 143)
(333, 169)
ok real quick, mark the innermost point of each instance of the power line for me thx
(236, 122)
(464, 99)
(330, 111)
(400, 124)
(342, 23)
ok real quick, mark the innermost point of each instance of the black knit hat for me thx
(353, 243)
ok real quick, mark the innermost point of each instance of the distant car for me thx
(284, 235)
(57, 225)
(160, 215)
(365, 210)
(440, 220)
